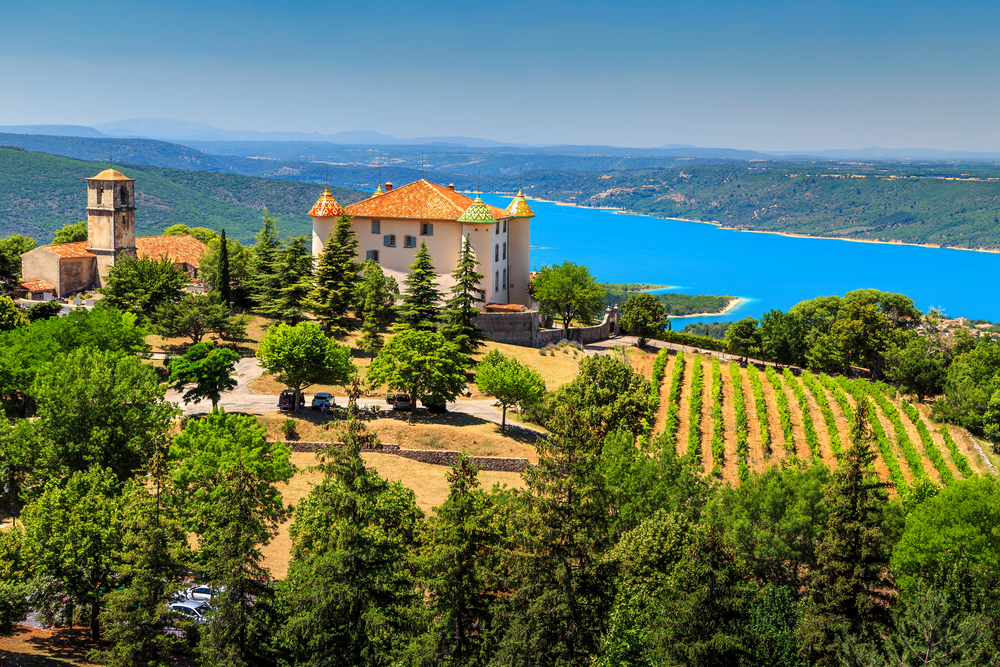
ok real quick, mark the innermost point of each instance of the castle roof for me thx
(110, 175)
(38, 286)
(180, 248)
(478, 212)
(326, 207)
(518, 207)
(420, 200)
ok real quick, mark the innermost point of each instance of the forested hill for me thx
(936, 203)
(39, 193)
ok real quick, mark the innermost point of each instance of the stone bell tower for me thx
(110, 219)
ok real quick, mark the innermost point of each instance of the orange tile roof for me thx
(508, 307)
(38, 286)
(67, 250)
(180, 248)
(420, 200)
(110, 175)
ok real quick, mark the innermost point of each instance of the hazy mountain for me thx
(877, 153)
(53, 130)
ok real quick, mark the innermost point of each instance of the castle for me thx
(68, 268)
(391, 224)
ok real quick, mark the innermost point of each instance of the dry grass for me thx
(29, 647)
(255, 332)
(428, 482)
(642, 362)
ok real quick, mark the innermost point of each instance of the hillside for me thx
(733, 420)
(39, 193)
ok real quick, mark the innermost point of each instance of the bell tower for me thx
(110, 219)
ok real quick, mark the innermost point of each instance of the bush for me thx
(290, 428)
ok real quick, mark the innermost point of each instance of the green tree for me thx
(509, 381)
(239, 267)
(461, 311)
(971, 385)
(14, 587)
(377, 294)
(421, 363)
(457, 559)
(19, 445)
(300, 356)
(644, 317)
(569, 290)
(613, 395)
(783, 338)
(71, 536)
(263, 278)
(336, 279)
(913, 365)
(223, 280)
(776, 520)
(43, 310)
(239, 524)
(849, 590)
(11, 249)
(195, 316)
(71, 232)
(421, 299)
(294, 271)
(103, 408)
(562, 591)
(10, 315)
(208, 368)
(349, 587)
(180, 229)
(863, 334)
(140, 286)
(743, 338)
(152, 563)
(208, 449)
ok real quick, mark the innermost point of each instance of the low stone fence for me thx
(440, 457)
(525, 329)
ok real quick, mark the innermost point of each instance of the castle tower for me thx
(324, 214)
(520, 248)
(110, 219)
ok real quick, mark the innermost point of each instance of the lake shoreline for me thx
(733, 305)
(792, 235)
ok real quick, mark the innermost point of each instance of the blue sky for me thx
(768, 76)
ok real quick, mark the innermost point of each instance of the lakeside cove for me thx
(764, 270)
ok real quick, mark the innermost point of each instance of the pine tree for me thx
(336, 280)
(153, 563)
(264, 280)
(849, 591)
(374, 310)
(293, 282)
(421, 307)
(222, 282)
(461, 312)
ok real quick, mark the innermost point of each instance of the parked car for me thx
(193, 610)
(198, 592)
(323, 397)
(434, 405)
(402, 402)
(287, 398)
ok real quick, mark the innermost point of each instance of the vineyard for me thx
(732, 420)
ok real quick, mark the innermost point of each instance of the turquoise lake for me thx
(768, 270)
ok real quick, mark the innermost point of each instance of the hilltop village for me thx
(390, 442)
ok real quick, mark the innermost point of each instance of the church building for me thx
(67, 268)
(391, 224)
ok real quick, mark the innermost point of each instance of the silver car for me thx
(192, 610)
(198, 592)
(323, 397)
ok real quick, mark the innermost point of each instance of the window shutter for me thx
(430, 229)
(368, 255)
(375, 226)
(385, 240)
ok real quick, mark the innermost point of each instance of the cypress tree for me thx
(421, 307)
(222, 282)
(849, 590)
(460, 314)
(336, 279)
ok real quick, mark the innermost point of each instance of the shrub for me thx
(290, 429)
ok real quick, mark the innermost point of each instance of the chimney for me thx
(388, 186)
(451, 186)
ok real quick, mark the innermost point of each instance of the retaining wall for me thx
(525, 329)
(440, 457)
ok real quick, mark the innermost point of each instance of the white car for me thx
(323, 397)
(193, 610)
(199, 592)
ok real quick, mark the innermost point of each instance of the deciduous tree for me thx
(570, 291)
(509, 381)
(71, 232)
(300, 356)
(140, 286)
(10, 316)
(644, 317)
(743, 338)
(421, 363)
(208, 369)
(11, 249)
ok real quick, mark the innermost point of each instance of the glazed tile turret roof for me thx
(326, 207)
(478, 212)
(420, 200)
(110, 175)
(518, 207)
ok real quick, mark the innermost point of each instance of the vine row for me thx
(718, 430)
(816, 389)
(910, 452)
(674, 401)
(739, 403)
(958, 457)
(761, 404)
(933, 453)
(881, 440)
(807, 423)
(694, 415)
(784, 412)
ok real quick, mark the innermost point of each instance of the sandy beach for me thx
(733, 305)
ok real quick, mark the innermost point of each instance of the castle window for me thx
(100, 195)
(505, 279)
(389, 240)
(497, 232)
(124, 196)
(410, 241)
(426, 229)
(496, 283)
(375, 226)
(372, 255)
(496, 253)
(504, 226)
(505, 251)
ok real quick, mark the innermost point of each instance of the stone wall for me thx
(525, 329)
(440, 457)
